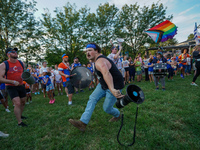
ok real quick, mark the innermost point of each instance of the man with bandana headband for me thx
(110, 86)
(64, 71)
(13, 69)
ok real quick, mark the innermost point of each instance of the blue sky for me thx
(185, 12)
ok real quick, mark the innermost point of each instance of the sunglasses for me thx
(12, 52)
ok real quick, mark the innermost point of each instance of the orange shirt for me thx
(65, 69)
(183, 57)
(27, 86)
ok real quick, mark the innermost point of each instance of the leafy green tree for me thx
(190, 37)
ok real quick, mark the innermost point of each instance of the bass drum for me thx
(81, 77)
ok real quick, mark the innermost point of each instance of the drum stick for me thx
(73, 74)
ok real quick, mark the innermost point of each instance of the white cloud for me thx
(187, 10)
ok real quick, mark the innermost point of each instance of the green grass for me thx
(167, 120)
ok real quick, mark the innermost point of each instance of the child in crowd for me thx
(91, 86)
(36, 85)
(125, 64)
(150, 70)
(58, 80)
(28, 92)
(49, 86)
(138, 69)
(4, 96)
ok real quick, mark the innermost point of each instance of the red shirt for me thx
(15, 72)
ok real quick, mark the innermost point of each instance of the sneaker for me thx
(81, 91)
(53, 101)
(77, 92)
(27, 102)
(163, 89)
(50, 102)
(194, 84)
(35, 93)
(70, 103)
(78, 124)
(3, 135)
(38, 92)
(22, 117)
(22, 124)
(7, 110)
(114, 119)
(157, 88)
(67, 95)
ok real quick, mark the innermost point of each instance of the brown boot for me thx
(78, 124)
(114, 119)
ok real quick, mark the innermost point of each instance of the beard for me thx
(65, 61)
(14, 57)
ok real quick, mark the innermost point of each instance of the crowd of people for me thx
(48, 79)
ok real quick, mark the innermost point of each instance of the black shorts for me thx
(43, 86)
(1, 97)
(70, 87)
(28, 91)
(16, 91)
(126, 69)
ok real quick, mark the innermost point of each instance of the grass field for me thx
(167, 120)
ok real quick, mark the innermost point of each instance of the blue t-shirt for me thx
(91, 69)
(2, 86)
(150, 68)
(76, 64)
(168, 65)
(49, 80)
(43, 78)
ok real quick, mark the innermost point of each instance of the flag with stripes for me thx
(196, 34)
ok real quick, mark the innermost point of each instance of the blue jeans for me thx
(188, 69)
(97, 94)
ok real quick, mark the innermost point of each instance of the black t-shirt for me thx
(116, 74)
(131, 64)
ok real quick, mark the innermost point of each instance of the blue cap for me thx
(64, 55)
(160, 53)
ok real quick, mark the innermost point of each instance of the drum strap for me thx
(134, 134)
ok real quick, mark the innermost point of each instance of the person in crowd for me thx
(75, 64)
(196, 56)
(91, 86)
(169, 67)
(14, 84)
(36, 85)
(115, 56)
(58, 80)
(145, 65)
(44, 67)
(125, 64)
(138, 69)
(110, 86)
(28, 92)
(150, 69)
(64, 70)
(4, 97)
(182, 61)
(52, 77)
(159, 59)
(174, 64)
(188, 66)
(131, 70)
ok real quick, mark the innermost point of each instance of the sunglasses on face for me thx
(12, 52)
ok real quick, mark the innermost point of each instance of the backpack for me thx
(7, 66)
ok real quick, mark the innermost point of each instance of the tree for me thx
(13, 16)
(190, 37)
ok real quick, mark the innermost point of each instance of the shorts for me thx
(150, 72)
(59, 81)
(126, 69)
(139, 72)
(49, 87)
(43, 86)
(181, 65)
(28, 91)
(69, 86)
(1, 96)
(16, 91)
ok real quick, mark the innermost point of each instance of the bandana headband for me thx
(91, 46)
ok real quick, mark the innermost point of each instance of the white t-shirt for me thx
(57, 75)
(116, 61)
(188, 60)
(146, 61)
(41, 69)
(52, 77)
(125, 63)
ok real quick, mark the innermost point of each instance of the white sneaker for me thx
(67, 95)
(7, 110)
(194, 84)
(70, 103)
(3, 134)
(27, 102)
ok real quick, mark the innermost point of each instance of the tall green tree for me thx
(190, 37)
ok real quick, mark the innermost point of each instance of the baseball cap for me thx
(160, 53)
(75, 57)
(10, 49)
(64, 56)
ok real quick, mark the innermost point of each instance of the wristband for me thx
(14, 82)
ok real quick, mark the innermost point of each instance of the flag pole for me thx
(160, 47)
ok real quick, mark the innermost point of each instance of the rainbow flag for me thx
(163, 31)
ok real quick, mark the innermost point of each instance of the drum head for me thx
(81, 78)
